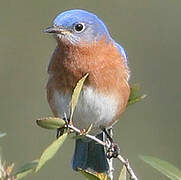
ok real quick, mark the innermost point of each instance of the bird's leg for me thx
(113, 150)
(108, 134)
(60, 131)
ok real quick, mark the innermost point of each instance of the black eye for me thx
(79, 27)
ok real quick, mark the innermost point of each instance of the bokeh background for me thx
(148, 30)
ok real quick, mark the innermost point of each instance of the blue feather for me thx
(89, 155)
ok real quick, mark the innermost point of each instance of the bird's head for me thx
(78, 27)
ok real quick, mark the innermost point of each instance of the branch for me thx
(110, 160)
(119, 157)
(128, 167)
(88, 135)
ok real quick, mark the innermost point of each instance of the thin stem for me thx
(110, 161)
(87, 135)
(128, 167)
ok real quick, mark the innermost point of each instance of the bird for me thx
(84, 45)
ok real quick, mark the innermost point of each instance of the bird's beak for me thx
(56, 30)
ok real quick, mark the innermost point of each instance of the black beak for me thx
(54, 30)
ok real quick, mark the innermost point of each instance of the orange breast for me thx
(107, 70)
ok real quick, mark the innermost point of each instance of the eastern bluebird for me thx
(84, 45)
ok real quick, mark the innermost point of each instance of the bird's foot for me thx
(60, 131)
(113, 148)
(108, 134)
(113, 151)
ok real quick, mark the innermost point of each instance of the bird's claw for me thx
(113, 151)
(60, 131)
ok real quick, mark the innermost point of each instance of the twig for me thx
(128, 167)
(110, 161)
(119, 157)
(88, 135)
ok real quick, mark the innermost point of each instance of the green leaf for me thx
(164, 167)
(50, 151)
(134, 91)
(94, 176)
(76, 93)
(26, 169)
(2, 134)
(102, 176)
(89, 175)
(134, 95)
(122, 175)
(50, 122)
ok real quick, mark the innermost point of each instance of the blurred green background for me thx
(149, 31)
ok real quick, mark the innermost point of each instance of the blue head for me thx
(78, 26)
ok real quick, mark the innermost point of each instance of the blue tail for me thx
(90, 155)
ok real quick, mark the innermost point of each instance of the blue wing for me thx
(122, 51)
(125, 56)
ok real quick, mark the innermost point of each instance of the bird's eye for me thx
(79, 27)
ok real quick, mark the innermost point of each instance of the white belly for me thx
(92, 108)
